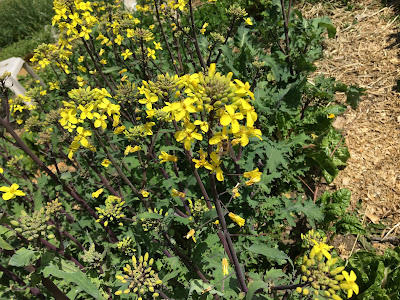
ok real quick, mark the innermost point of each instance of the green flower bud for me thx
(339, 277)
(327, 294)
(315, 285)
(337, 271)
(14, 223)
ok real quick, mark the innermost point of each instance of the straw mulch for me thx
(365, 52)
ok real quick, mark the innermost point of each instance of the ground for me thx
(365, 52)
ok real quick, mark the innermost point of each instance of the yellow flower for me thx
(331, 116)
(225, 266)
(85, 32)
(181, 5)
(320, 248)
(203, 28)
(126, 54)
(188, 135)
(105, 163)
(150, 98)
(151, 53)
(202, 162)
(119, 129)
(349, 283)
(248, 21)
(1, 170)
(164, 156)
(100, 121)
(176, 193)
(97, 193)
(190, 234)
(130, 149)
(254, 176)
(231, 117)
(214, 166)
(11, 192)
(119, 39)
(144, 193)
(157, 46)
(238, 220)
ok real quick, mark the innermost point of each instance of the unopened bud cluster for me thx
(236, 11)
(53, 207)
(126, 245)
(111, 211)
(92, 257)
(197, 206)
(321, 276)
(153, 224)
(142, 279)
(33, 227)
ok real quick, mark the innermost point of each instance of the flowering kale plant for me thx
(173, 152)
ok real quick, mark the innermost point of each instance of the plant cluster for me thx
(178, 157)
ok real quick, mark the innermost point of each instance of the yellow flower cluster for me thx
(205, 107)
(88, 107)
(323, 275)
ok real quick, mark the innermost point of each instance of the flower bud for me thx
(14, 223)
(337, 271)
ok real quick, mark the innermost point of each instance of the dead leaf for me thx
(373, 218)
